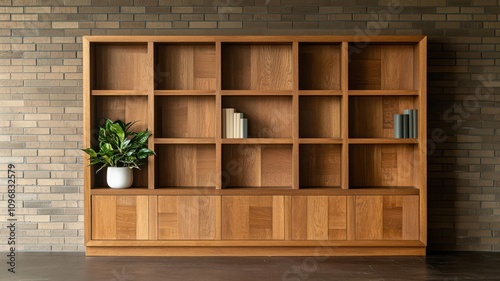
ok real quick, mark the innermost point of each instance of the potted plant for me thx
(120, 150)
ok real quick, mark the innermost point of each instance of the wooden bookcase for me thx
(320, 173)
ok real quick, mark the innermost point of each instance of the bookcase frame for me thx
(319, 174)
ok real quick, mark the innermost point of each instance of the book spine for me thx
(244, 128)
(230, 123)
(236, 123)
(240, 117)
(410, 122)
(415, 122)
(398, 126)
(406, 131)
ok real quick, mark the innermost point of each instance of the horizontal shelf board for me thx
(119, 92)
(383, 92)
(257, 141)
(384, 190)
(158, 191)
(382, 141)
(120, 191)
(256, 92)
(184, 92)
(184, 140)
(259, 191)
(320, 92)
(320, 141)
(248, 243)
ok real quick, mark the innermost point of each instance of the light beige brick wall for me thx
(41, 97)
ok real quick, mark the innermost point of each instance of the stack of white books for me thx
(234, 124)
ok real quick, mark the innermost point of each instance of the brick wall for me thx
(41, 97)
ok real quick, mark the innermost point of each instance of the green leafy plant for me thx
(119, 147)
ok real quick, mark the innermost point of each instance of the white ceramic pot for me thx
(119, 177)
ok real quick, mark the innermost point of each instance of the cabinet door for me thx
(387, 217)
(120, 217)
(319, 217)
(253, 217)
(188, 217)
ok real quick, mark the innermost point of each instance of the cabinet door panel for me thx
(253, 217)
(188, 217)
(387, 218)
(319, 217)
(120, 217)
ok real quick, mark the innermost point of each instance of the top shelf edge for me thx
(252, 39)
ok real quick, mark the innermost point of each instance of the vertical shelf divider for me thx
(151, 114)
(295, 111)
(218, 116)
(422, 135)
(87, 131)
(344, 83)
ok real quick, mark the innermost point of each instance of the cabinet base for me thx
(256, 251)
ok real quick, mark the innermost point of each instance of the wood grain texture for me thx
(256, 67)
(255, 243)
(387, 218)
(120, 217)
(319, 117)
(382, 67)
(319, 66)
(397, 67)
(382, 165)
(185, 117)
(185, 165)
(320, 165)
(253, 217)
(364, 67)
(373, 117)
(188, 217)
(257, 165)
(337, 217)
(319, 217)
(185, 67)
(268, 116)
(120, 67)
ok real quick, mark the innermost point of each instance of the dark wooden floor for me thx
(76, 267)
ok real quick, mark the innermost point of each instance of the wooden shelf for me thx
(319, 66)
(184, 141)
(320, 117)
(119, 93)
(246, 191)
(382, 141)
(185, 116)
(320, 165)
(256, 66)
(373, 116)
(256, 92)
(185, 66)
(258, 141)
(268, 116)
(320, 92)
(383, 93)
(184, 93)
